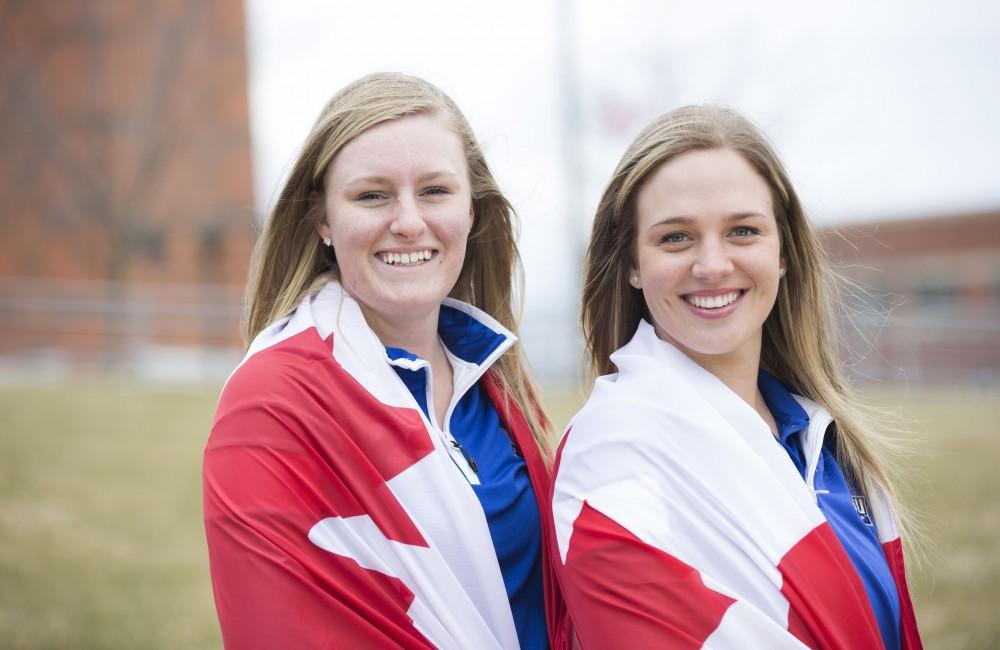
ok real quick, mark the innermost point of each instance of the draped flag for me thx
(680, 524)
(335, 516)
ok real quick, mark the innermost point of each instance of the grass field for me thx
(102, 546)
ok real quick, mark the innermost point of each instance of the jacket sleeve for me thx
(265, 488)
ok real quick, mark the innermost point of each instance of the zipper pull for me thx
(513, 444)
(468, 457)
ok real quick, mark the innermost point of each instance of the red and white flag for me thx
(680, 524)
(335, 516)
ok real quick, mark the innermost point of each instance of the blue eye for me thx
(745, 231)
(674, 238)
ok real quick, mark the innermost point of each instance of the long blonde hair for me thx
(290, 262)
(799, 340)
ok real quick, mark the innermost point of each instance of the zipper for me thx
(459, 454)
(473, 465)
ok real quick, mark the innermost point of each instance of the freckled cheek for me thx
(455, 240)
(352, 270)
(451, 227)
(357, 238)
(662, 278)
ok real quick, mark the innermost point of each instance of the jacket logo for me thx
(861, 506)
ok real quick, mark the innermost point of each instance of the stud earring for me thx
(634, 280)
(781, 272)
(326, 241)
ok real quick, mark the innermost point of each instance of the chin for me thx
(424, 300)
(707, 347)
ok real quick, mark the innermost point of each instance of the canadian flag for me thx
(334, 517)
(295, 510)
(681, 524)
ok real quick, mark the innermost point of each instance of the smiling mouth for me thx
(406, 259)
(714, 302)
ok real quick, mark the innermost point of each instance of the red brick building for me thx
(126, 176)
(927, 305)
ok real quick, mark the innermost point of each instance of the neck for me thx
(739, 373)
(737, 369)
(417, 335)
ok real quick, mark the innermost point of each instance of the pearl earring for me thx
(326, 241)
(781, 272)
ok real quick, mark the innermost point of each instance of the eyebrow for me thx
(423, 178)
(736, 216)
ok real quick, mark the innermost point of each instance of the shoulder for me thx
(611, 460)
(634, 408)
(279, 367)
(296, 396)
(612, 414)
(654, 419)
(274, 386)
(612, 439)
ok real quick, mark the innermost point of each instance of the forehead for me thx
(703, 183)
(400, 145)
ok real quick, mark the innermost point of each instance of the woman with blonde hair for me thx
(720, 487)
(377, 463)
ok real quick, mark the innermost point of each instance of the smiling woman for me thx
(719, 464)
(709, 279)
(398, 212)
(378, 462)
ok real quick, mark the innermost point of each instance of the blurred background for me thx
(144, 141)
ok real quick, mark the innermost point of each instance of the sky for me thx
(882, 110)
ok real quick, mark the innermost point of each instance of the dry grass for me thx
(953, 486)
(102, 543)
(101, 540)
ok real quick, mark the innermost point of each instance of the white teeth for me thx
(712, 302)
(415, 257)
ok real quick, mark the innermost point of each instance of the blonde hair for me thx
(290, 261)
(798, 343)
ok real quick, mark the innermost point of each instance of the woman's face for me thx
(399, 212)
(708, 254)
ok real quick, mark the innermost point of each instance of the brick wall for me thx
(126, 173)
(926, 308)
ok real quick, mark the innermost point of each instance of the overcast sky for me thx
(879, 109)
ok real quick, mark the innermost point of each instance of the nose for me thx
(407, 221)
(712, 261)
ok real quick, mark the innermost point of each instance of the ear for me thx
(323, 227)
(633, 278)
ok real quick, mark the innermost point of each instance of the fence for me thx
(53, 327)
